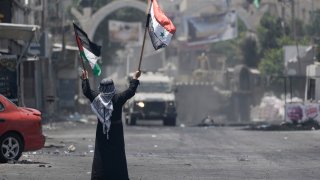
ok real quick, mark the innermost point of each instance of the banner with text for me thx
(212, 28)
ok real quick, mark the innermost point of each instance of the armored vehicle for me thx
(154, 100)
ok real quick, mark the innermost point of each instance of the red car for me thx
(20, 130)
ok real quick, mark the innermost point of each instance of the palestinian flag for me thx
(160, 27)
(88, 50)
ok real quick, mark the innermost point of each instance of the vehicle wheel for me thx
(132, 121)
(169, 122)
(11, 147)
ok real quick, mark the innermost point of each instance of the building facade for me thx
(21, 53)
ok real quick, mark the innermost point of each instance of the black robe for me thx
(109, 161)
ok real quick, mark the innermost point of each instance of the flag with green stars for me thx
(160, 27)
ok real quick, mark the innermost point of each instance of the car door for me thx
(3, 119)
(9, 114)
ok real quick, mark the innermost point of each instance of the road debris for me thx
(56, 152)
(54, 145)
(91, 148)
(243, 158)
(285, 126)
(71, 148)
(207, 121)
(45, 166)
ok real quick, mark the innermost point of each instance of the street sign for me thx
(34, 49)
(41, 48)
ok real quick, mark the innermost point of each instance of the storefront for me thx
(13, 58)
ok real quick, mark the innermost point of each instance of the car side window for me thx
(1, 107)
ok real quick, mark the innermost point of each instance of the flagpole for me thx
(145, 33)
(83, 67)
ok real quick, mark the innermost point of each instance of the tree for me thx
(300, 28)
(270, 30)
(314, 26)
(272, 62)
(249, 50)
(230, 49)
(273, 35)
(313, 30)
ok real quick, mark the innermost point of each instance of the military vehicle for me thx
(154, 100)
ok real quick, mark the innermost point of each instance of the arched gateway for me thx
(90, 22)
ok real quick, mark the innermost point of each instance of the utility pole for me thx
(63, 53)
(49, 90)
(38, 79)
(312, 10)
(293, 24)
(283, 14)
(294, 33)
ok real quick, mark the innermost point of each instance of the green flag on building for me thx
(256, 3)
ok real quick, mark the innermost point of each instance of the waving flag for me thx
(160, 27)
(88, 50)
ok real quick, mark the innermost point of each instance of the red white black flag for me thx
(160, 27)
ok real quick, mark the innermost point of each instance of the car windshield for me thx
(9, 101)
(149, 87)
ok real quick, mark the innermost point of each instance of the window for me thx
(152, 87)
(1, 107)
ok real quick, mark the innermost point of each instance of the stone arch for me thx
(98, 17)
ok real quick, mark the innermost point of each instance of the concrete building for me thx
(297, 58)
(19, 46)
(66, 85)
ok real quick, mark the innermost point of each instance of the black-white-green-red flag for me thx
(160, 27)
(88, 50)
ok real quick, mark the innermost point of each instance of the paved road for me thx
(186, 153)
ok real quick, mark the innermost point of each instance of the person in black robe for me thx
(109, 161)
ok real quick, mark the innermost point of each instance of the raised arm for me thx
(90, 94)
(130, 92)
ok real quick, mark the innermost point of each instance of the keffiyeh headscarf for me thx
(102, 105)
